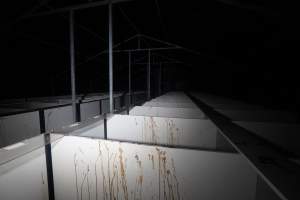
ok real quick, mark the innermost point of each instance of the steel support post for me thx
(48, 155)
(110, 22)
(72, 61)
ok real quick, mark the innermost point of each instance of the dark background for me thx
(248, 50)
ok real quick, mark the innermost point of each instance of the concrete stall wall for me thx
(173, 97)
(168, 112)
(104, 106)
(109, 169)
(139, 97)
(14, 128)
(136, 99)
(7, 111)
(56, 118)
(128, 171)
(117, 103)
(158, 130)
(191, 133)
(94, 130)
(144, 170)
(89, 110)
(25, 177)
(170, 105)
(18, 127)
(126, 100)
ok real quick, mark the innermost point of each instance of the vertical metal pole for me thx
(105, 126)
(111, 107)
(48, 155)
(100, 107)
(72, 57)
(159, 79)
(129, 77)
(42, 121)
(149, 76)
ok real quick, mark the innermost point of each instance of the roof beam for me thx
(76, 7)
(157, 63)
(146, 49)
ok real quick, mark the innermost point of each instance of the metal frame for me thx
(72, 61)
(146, 49)
(110, 22)
(157, 63)
(109, 3)
(76, 7)
(50, 180)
